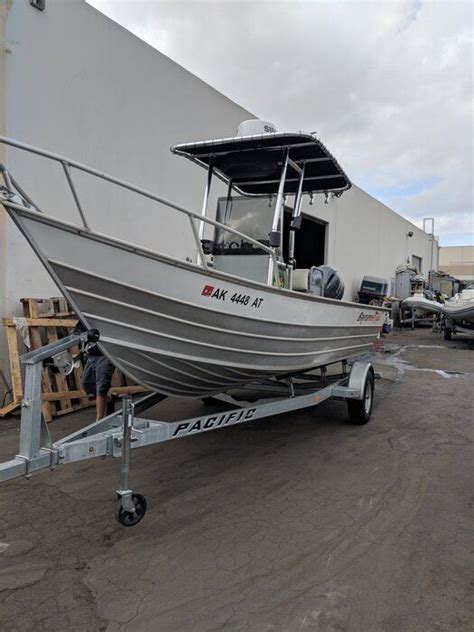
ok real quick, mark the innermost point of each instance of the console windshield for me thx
(251, 216)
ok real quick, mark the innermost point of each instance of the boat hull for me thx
(183, 330)
(422, 306)
(460, 312)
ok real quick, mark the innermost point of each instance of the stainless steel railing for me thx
(68, 165)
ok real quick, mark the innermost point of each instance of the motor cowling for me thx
(332, 284)
(319, 280)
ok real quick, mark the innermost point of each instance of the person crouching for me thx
(97, 377)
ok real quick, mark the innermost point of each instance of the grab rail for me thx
(67, 164)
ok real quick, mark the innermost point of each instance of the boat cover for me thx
(254, 163)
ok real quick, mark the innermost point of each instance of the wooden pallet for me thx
(49, 320)
(54, 307)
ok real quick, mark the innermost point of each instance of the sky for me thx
(387, 85)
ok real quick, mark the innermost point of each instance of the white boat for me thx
(187, 329)
(461, 307)
(422, 305)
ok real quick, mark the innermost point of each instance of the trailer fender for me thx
(358, 377)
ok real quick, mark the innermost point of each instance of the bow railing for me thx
(69, 165)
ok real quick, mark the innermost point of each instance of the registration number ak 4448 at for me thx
(236, 298)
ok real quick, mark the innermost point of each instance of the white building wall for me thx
(365, 237)
(80, 85)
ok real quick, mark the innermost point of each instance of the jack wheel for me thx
(129, 518)
(360, 410)
(448, 332)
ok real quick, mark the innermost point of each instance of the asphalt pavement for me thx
(299, 522)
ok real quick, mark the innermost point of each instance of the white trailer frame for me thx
(117, 433)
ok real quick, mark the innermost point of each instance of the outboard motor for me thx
(319, 280)
(333, 286)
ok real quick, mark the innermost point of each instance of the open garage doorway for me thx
(310, 241)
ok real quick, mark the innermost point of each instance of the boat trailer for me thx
(451, 327)
(120, 431)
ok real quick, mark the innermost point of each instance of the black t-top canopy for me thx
(254, 163)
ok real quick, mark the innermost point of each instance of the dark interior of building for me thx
(310, 241)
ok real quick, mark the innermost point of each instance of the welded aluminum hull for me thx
(173, 326)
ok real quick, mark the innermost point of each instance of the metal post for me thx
(273, 273)
(324, 376)
(31, 431)
(201, 258)
(276, 235)
(74, 195)
(6, 178)
(279, 202)
(291, 387)
(426, 221)
(206, 198)
(294, 225)
(227, 201)
(291, 258)
(270, 271)
(299, 196)
(127, 412)
(127, 418)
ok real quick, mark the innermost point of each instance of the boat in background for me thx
(459, 314)
(422, 306)
(461, 307)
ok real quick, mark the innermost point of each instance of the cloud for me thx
(387, 85)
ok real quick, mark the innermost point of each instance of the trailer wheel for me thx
(360, 410)
(448, 333)
(129, 518)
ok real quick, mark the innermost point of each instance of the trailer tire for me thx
(448, 333)
(360, 410)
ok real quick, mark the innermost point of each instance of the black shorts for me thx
(97, 375)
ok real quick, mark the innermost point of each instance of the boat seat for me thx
(300, 279)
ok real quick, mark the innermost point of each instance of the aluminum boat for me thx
(184, 327)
